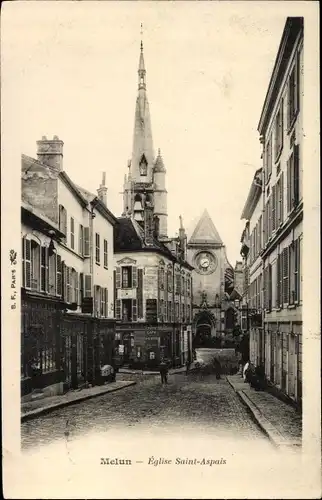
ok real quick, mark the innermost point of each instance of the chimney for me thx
(102, 190)
(182, 239)
(50, 152)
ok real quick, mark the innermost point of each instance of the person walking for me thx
(164, 371)
(217, 368)
(188, 364)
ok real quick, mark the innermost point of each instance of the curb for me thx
(276, 438)
(253, 412)
(47, 409)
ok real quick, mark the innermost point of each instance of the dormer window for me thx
(143, 166)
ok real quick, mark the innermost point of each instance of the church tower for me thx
(144, 184)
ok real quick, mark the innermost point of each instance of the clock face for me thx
(205, 263)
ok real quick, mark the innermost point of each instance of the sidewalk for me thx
(32, 409)
(281, 422)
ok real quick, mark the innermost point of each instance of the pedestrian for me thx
(188, 364)
(164, 371)
(217, 367)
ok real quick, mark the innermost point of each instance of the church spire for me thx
(142, 152)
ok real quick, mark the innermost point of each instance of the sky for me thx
(70, 69)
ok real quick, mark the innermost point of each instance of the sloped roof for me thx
(205, 232)
(129, 237)
(159, 165)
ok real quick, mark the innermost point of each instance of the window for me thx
(35, 265)
(97, 249)
(285, 257)
(177, 311)
(161, 278)
(44, 270)
(183, 313)
(72, 233)
(279, 201)
(126, 277)
(273, 201)
(63, 221)
(59, 283)
(178, 283)
(182, 285)
(81, 240)
(169, 281)
(293, 182)
(293, 94)
(279, 131)
(74, 285)
(105, 254)
(268, 160)
(294, 272)
(52, 273)
(188, 313)
(86, 247)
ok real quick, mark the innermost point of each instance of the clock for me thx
(205, 263)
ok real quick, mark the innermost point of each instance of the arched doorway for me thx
(204, 327)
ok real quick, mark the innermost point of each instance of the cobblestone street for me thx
(202, 404)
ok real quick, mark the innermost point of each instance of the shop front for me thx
(143, 346)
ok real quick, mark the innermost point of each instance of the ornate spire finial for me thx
(141, 33)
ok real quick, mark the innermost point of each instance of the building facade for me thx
(279, 347)
(67, 275)
(213, 282)
(153, 299)
(252, 307)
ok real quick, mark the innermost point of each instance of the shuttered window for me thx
(293, 185)
(44, 270)
(63, 221)
(118, 277)
(81, 288)
(72, 233)
(106, 303)
(178, 283)
(285, 257)
(27, 263)
(273, 201)
(68, 284)
(279, 200)
(139, 293)
(59, 289)
(87, 285)
(86, 242)
(134, 310)
(291, 277)
(260, 234)
(293, 93)
(97, 249)
(269, 159)
(279, 131)
(118, 309)
(81, 240)
(169, 281)
(134, 277)
(297, 270)
(105, 254)
(102, 297)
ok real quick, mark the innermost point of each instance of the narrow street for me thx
(200, 404)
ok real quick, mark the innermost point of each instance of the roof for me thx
(205, 232)
(254, 194)
(293, 27)
(129, 237)
(159, 165)
(30, 213)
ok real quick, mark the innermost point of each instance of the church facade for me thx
(213, 290)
